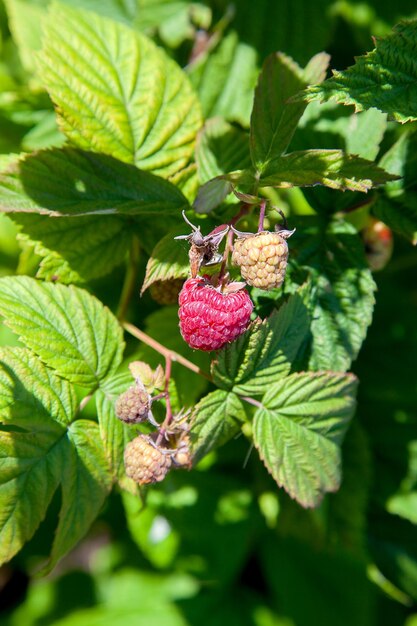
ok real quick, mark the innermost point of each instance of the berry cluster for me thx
(214, 311)
(148, 458)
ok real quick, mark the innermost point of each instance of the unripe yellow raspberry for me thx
(262, 259)
(145, 462)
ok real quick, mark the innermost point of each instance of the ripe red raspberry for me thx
(209, 318)
(145, 462)
(262, 258)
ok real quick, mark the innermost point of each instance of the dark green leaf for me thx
(225, 75)
(31, 465)
(299, 429)
(266, 351)
(325, 577)
(384, 78)
(211, 195)
(397, 206)
(70, 182)
(168, 260)
(332, 168)
(221, 148)
(273, 120)
(344, 290)
(225, 79)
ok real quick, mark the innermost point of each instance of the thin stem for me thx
(158, 347)
(262, 208)
(252, 401)
(168, 416)
(244, 209)
(129, 284)
(227, 249)
(86, 400)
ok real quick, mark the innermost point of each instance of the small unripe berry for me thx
(182, 456)
(145, 462)
(378, 241)
(166, 291)
(133, 405)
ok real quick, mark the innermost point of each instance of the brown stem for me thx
(262, 208)
(227, 249)
(168, 416)
(244, 209)
(158, 347)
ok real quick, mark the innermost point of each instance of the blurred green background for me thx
(222, 545)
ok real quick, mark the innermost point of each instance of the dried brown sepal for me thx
(204, 248)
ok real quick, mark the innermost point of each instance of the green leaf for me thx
(168, 260)
(399, 214)
(384, 78)
(397, 206)
(221, 148)
(224, 79)
(41, 453)
(129, 100)
(225, 74)
(332, 168)
(299, 430)
(114, 433)
(331, 126)
(266, 351)
(273, 120)
(404, 502)
(85, 483)
(211, 194)
(70, 330)
(333, 583)
(76, 249)
(216, 419)
(31, 466)
(25, 25)
(344, 291)
(70, 182)
(49, 397)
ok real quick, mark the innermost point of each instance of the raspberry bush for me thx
(193, 236)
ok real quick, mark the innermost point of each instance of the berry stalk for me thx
(158, 347)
